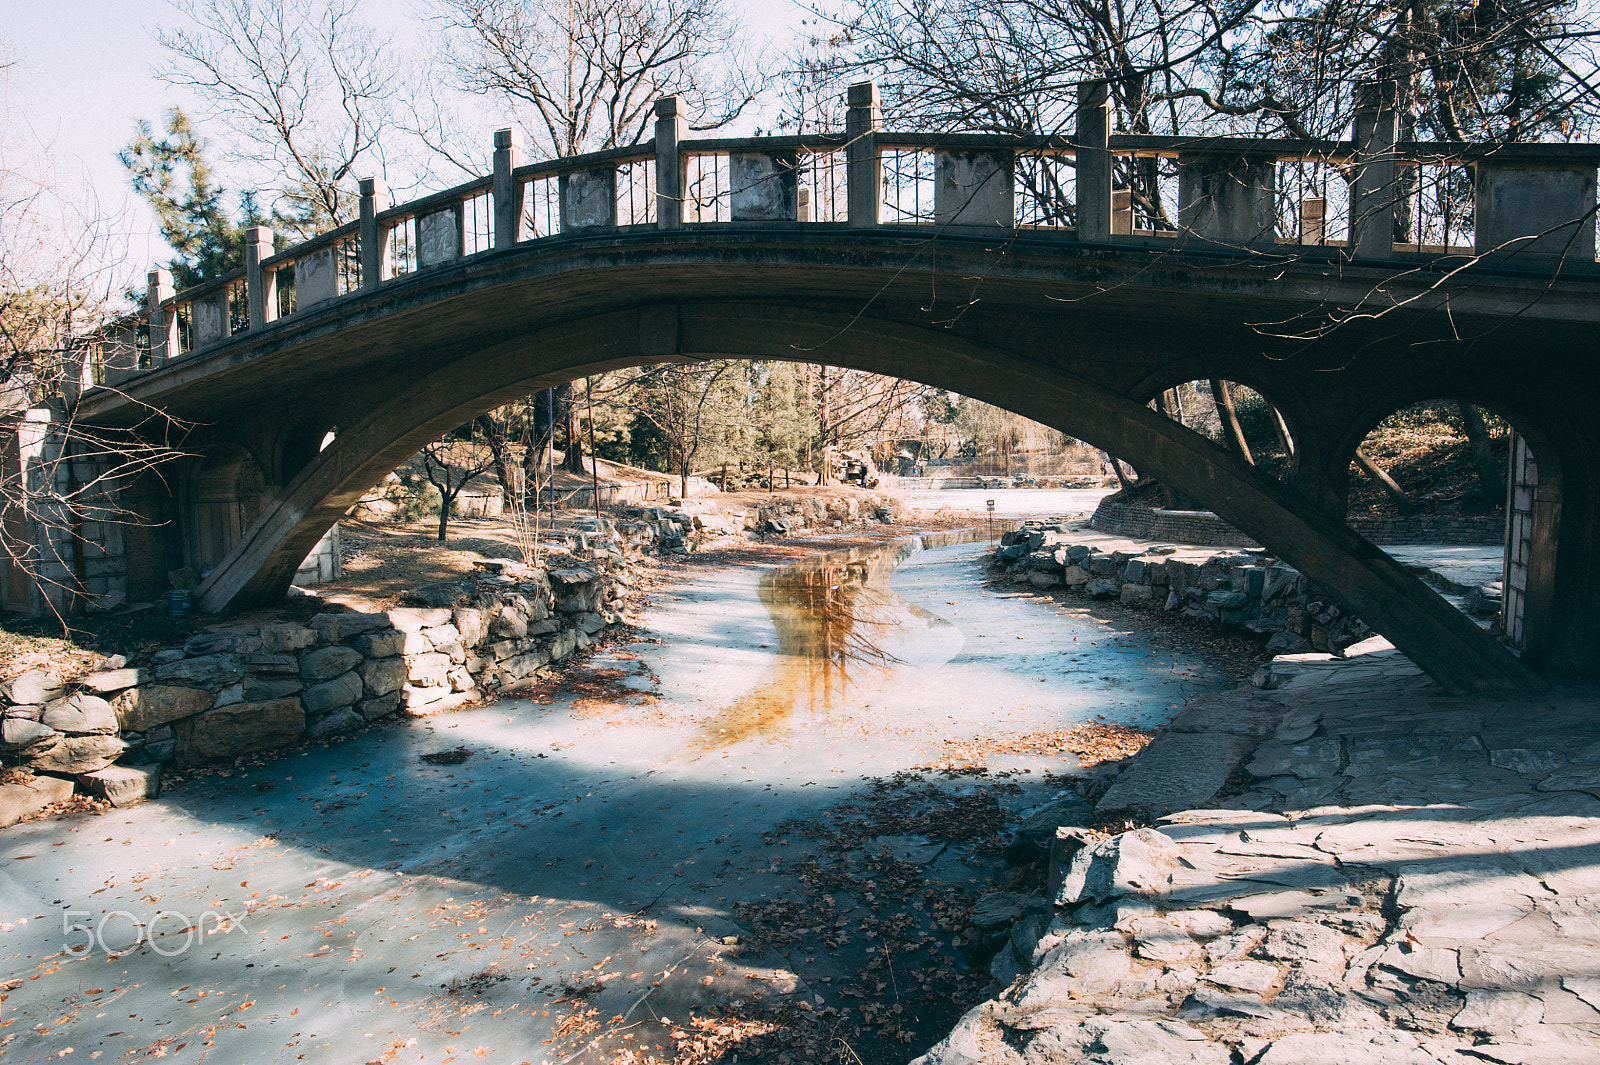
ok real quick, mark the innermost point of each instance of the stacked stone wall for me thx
(1238, 588)
(1203, 528)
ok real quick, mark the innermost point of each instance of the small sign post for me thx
(990, 504)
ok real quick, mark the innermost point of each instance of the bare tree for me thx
(58, 306)
(303, 86)
(693, 406)
(450, 464)
(584, 74)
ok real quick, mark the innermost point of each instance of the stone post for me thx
(864, 171)
(261, 287)
(671, 126)
(1093, 144)
(374, 238)
(507, 190)
(163, 319)
(1375, 188)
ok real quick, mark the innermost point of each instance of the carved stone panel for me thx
(763, 186)
(439, 237)
(211, 318)
(316, 278)
(589, 199)
(974, 189)
(1228, 199)
(1536, 210)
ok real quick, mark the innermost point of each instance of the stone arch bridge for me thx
(1010, 270)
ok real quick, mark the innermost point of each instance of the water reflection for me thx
(841, 632)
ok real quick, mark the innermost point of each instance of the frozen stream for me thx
(382, 907)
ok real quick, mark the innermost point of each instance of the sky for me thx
(85, 76)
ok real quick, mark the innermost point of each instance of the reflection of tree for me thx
(833, 616)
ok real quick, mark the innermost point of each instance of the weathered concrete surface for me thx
(1402, 877)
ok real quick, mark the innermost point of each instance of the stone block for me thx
(265, 689)
(1178, 771)
(123, 785)
(17, 732)
(384, 644)
(341, 719)
(34, 686)
(114, 680)
(439, 634)
(380, 676)
(1103, 588)
(461, 680)
(342, 690)
(1137, 593)
(230, 731)
(415, 619)
(81, 714)
(71, 755)
(140, 709)
(562, 646)
(509, 623)
(379, 706)
(278, 639)
(263, 662)
(520, 666)
(211, 672)
(327, 662)
(18, 801)
(233, 693)
(429, 670)
(473, 624)
(589, 623)
(420, 700)
(337, 628)
(222, 643)
(441, 594)
(415, 643)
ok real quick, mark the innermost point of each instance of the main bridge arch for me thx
(1078, 401)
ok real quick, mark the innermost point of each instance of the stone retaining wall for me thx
(1242, 589)
(1207, 530)
(248, 687)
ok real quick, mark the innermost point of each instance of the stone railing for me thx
(1326, 198)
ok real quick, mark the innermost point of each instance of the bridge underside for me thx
(1080, 346)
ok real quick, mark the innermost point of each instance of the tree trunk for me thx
(1281, 427)
(494, 434)
(1490, 480)
(1230, 420)
(1401, 497)
(1122, 478)
(825, 468)
(572, 461)
(444, 516)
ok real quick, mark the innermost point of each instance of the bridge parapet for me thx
(1525, 207)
